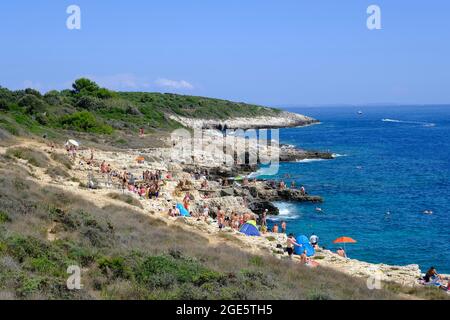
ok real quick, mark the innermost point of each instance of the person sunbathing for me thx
(174, 212)
(432, 277)
(341, 252)
(142, 191)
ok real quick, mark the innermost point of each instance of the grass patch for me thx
(126, 198)
(56, 172)
(34, 157)
(62, 159)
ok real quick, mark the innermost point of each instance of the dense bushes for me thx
(3, 105)
(126, 111)
(85, 121)
(90, 103)
(32, 104)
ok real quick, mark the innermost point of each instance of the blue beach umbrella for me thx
(305, 245)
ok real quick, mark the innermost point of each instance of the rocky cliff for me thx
(281, 120)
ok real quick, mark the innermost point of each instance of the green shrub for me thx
(318, 295)
(3, 105)
(159, 271)
(30, 285)
(53, 98)
(44, 265)
(90, 103)
(32, 104)
(115, 267)
(256, 261)
(85, 121)
(4, 217)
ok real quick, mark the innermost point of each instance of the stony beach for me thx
(252, 197)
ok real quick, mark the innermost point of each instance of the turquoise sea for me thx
(392, 164)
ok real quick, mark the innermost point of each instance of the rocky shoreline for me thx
(254, 197)
(236, 195)
(282, 120)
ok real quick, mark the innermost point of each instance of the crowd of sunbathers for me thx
(150, 185)
(147, 188)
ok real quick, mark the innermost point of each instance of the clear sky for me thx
(261, 51)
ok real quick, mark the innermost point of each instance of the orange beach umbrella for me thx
(140, 159)
(344, 240)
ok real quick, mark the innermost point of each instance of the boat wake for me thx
(309, 160)
(425, 124)
(337, 155)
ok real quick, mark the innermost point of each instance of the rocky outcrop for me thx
(264, 192)
(291, 154)
(259, 206)
(282, 120)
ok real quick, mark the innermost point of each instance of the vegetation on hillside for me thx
(88, 108)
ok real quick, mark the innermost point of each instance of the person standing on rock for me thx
(283, 226)
(275, 228)
(186, 201)
(290, 243)
(303, 191)
(205, 212)
(264, 218)
(220, 218)
(314, 240)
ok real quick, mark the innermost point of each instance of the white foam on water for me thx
(287, 211)
(337, 155)
(309, 160)
(425, 124)
(259, 172)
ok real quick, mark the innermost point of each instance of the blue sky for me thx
(269, 52)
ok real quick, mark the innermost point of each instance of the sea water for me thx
(391, 165)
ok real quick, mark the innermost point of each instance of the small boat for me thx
(360, 112)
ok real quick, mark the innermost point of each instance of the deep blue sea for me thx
(388, 173)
